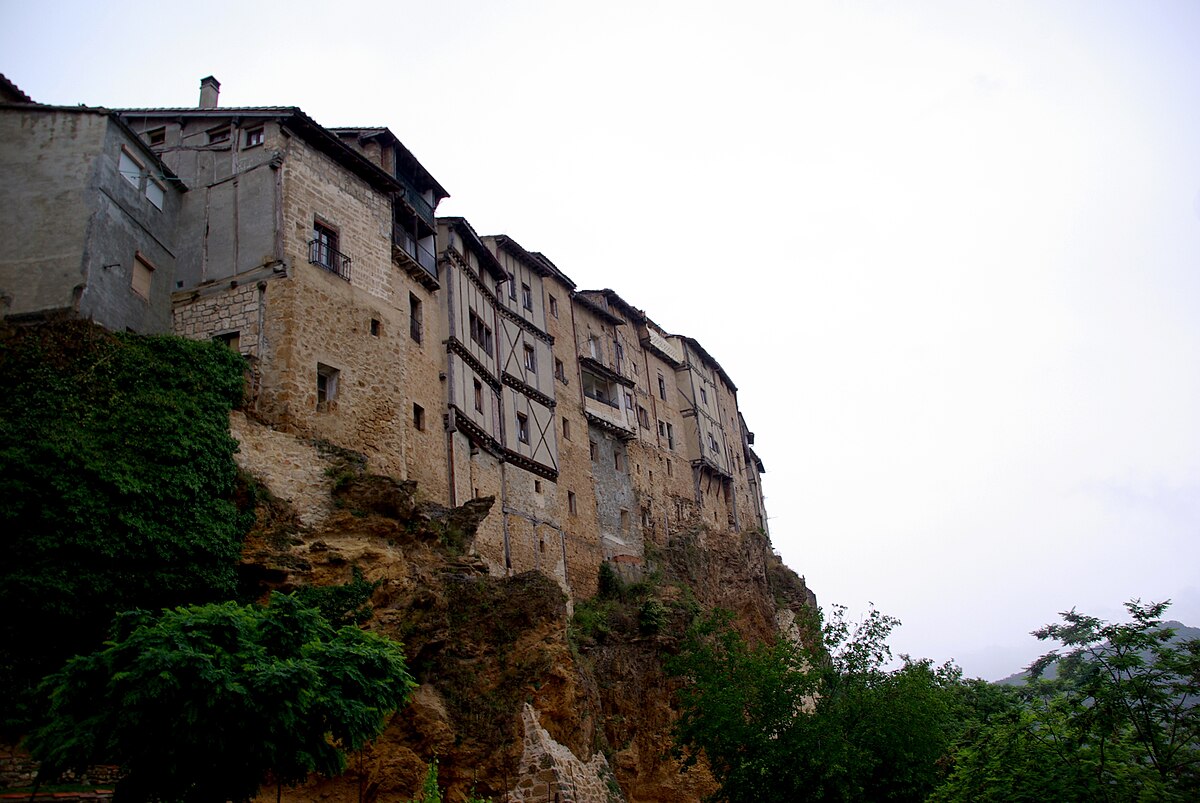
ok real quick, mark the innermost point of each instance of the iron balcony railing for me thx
(601, 397)
(420, 254)
(324, 255)
(417, 201)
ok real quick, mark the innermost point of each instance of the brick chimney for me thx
(210, 88)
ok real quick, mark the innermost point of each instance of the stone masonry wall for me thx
(550, 771)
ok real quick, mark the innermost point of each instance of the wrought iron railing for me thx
(324, 255)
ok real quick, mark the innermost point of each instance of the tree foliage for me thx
(202, 703)
(1119, 722)
(788, 722)
(116, 478)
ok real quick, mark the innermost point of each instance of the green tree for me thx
(116, 480)
(782, 721)
(1119, 722)
(202, 703)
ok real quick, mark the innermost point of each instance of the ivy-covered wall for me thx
(116, 487)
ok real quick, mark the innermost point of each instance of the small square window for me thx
(419, 417)
(254, 137)
(327, 385)
(572, 505)
(217, 136)
(143, 276)
(375, 327)
(522, 428)
(231, 339)
(157, 137)
(554, 306)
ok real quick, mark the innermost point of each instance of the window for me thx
(375, 327)
(617, 461)
(592, 449)
(327, 385)
(419, 417)
(670, 472)
(670, 437)
(537, 489)
(594, 347)
(712, 444)
(526, 297)
(645, 518)
(217, 136)
(324, 249)
(512, 287)
(643, 417)
(414, 317)
(560, 371)
(478, 395)
(143, 276)
(628, 400)
(624, 520)
(620, 353)
(599, 389)
(155, 192)
(522, 428)
(481, 333)
(703, 396)
(231, 339)
(130, 168)
(554, 306)
(662, 388)
(530, 358)
(157, 138)
(254, 137)
(566, 430)
(571, 503)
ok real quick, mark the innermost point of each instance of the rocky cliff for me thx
(525, 694)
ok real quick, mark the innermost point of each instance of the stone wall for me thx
(550, 771)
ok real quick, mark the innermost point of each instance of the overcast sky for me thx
(949, 252)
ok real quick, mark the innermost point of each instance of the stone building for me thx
(303, 253)
(94, 211)
(464, 362)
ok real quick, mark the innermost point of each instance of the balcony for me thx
(322, 254)
(418, 253)
(414, 199)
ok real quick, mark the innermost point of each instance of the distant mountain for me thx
(1182, 632)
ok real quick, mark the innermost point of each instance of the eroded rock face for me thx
(514, 702)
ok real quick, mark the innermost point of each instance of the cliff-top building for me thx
(464, 362)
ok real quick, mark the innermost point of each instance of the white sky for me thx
(950, 252)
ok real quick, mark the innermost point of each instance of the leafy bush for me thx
(201, 703)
